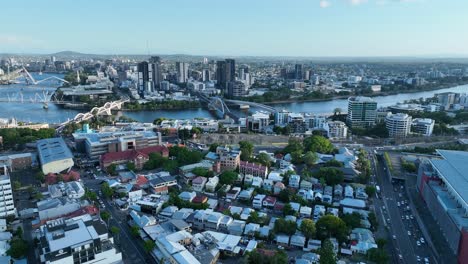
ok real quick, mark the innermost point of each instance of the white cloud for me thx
(324, 3)
(357, 2)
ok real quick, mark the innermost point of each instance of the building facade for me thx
(361, 111)
(7, 206)
(398, 125)
(423, 126)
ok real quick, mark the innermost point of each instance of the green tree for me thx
(228, 177)
(352, 220)
(333, 163)
(131, 166)
(318, 144)
(296, 157)
(107, 190)
(331, 226)
(18, 248)
(310, 158)
(149, 245)
(285, 226)
(114, 230)
(213, 147)
(16, 185)
(135, 231)
(111, 169)
(332, 176)
(308, 228)
(294, 144)
(288, 210)
(377, 255)
(200, 171)
(247, 149)
(264, 159)
(381, 242)
(327, 254)
(370, 190)
(284, 196)
(40, 176)
(105, 216)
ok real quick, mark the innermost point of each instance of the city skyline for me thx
(318, 28)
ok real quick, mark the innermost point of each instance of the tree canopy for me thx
(332, 176)
(285, 226)
(228, 177)
(247, 149)
(327, 254)
(308, 228)
(318, 144)
(331, 226)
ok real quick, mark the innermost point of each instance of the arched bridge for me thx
(253, 104)
(105, 109)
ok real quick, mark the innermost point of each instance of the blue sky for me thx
(239, 27)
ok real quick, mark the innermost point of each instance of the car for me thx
(422, 240)
(409, 233)
(418, 243)
(418, 258)
(280, 247)
(411, 217)
(400, 256)
(426, 260)
(394, 237)
(407, 217)
(398, 204)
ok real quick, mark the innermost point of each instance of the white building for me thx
(423, 126)
(337, 129)
(82, 239)
(54, 155)
(398, 125)
(7, 207)
(362, 111)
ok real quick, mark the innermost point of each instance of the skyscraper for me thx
(298, 73)
(362, 111)
(182, 72)
(143, 77)
(155, 71)
(225, 72)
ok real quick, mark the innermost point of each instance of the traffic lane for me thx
(404, 246)
(120, 220)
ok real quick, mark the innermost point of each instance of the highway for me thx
(399, 220)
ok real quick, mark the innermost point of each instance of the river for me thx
(33, 112)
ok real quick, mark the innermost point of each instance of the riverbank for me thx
(338, 97)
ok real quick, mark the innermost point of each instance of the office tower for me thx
(52, 59)
(298, 72)
(182, 72)
(307, 74)
(236, 89)
(155, 71)
(398, 125)
(225, 72)
(362, 112)
(143, 77)
(206, 75)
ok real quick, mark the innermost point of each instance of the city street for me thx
(404, 230)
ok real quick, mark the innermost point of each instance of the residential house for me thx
(282, 240)
(199, 183)
(306, 185)
(338, 192)
(246, 195)
(362, 240)
(251, 228)
(258, 201)
(268, 184)
(297, 240)
(269, 202)
(348, 192)
(278, 187)
(305, 212)
(233, 193)
(211, 184)
(294, 181)
(236, 227)
(229, 159)
(187, 196)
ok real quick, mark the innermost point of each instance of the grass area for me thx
(388, 160)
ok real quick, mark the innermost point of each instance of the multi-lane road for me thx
(404, 232)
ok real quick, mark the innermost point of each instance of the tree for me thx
(131, 166)
(352, 220)
(18, 248)
(288, 210)
(135, 231)
(370, 190)
(327, 253)
(264, 159)
(373, 220)
(107, 190)
(284, 196)
(213, 147)
(285, 226)
(170, 166)
(381, 242)
(332, 176)
(149, 245)
(114, 230)
(333, 163)
(308, 228)
(318, 144)
(40, 176)
(16, 185)
(294, 144)
(111, 169)
(228, 177)
(310, 158)
(19, 232)
(105, 216)
(200, 171)
(337, 111)
(246, 150)
(331, 226)
(377, 255)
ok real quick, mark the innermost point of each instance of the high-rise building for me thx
(7, 206)
(361, 111)
(143, 77)
(298, 73)
(182, 72)
(448, 99)
(155, 71)
(337, 129)
(225, 72)
(206, 75)
(236, 89)
(398, 125)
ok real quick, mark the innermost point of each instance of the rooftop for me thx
(53, 149)
(453, 169)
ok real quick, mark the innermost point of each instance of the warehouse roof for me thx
(53, 149)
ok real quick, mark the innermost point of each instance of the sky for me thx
(316, 28)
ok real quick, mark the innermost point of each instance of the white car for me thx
(409, 233)
(418, 243)
(394, 237)
(426, 260)
(422, 240)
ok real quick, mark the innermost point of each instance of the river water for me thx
(33, 112)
